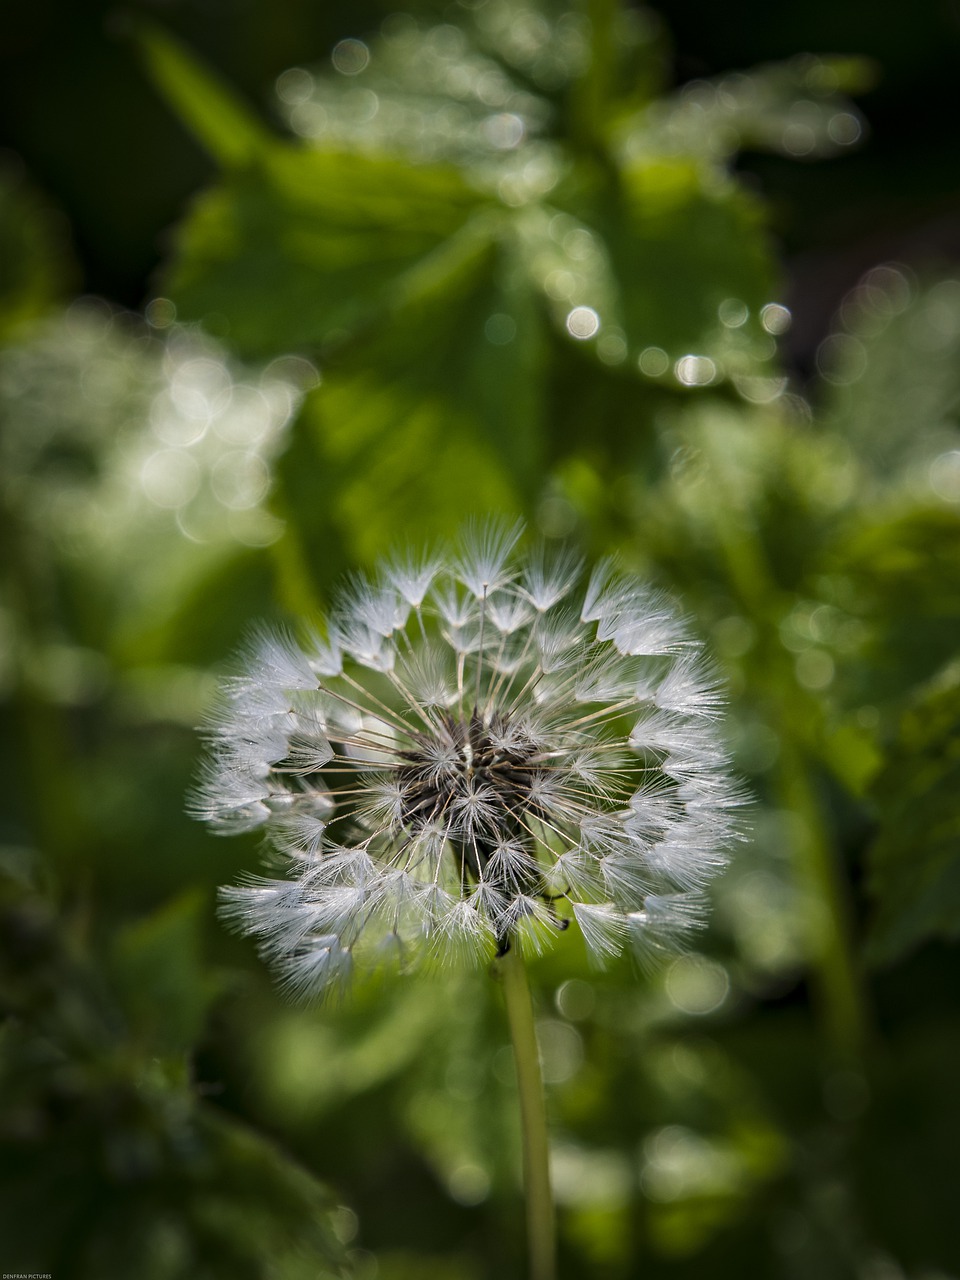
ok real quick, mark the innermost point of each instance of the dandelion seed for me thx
(473, 759)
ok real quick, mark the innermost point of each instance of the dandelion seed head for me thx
(478, 752)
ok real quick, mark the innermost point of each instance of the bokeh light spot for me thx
(798, 138)
(653, 361)
(240, 480)
(579, 244)
(733, 313)
(345, 1223)
(776, 319)
(844, 129)
(350, 57)
(170, 478)
(201, 388)
(504, 131)
(294, 86)
(561, 1050)
(561, 285)
(815, 669)
(612, 346)
(695, 371)
(576, 999)
(945, 476)
(160, 313)
(696, 985)
(583, 322)
(841, 359)
(760, 390)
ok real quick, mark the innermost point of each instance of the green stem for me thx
(541, 1233)
(838, 984)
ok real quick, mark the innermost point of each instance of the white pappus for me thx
(478, 753)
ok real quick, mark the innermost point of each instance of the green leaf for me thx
(435, 413)
(795, 107)
(914, 863)
(424, 92)
(300, 247)
(212, 112)
(679, 247)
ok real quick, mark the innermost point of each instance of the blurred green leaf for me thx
(209, 617)
(797, 107)
(433, 414)
(259, 1204)
(136, 468)
(213, 113)
(853, 755)
(299, 247)
(640, 247)
(680, 246)
(427, 93)
(914, 862)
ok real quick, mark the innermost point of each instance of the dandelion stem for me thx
(533, 1116)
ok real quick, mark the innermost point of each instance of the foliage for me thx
(914, 859)
(107, 1144)
(444, 259)
(491, 264)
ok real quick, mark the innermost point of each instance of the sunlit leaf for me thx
(799, 108)
(301, 246)
(427, 92)
(679, 249)
(407, 133)
(432, 415)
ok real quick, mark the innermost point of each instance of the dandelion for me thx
(480, 754)
(471, 759)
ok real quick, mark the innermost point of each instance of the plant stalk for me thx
(839, 987)
(541, 1229)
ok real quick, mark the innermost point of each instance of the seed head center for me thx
(467, 766)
